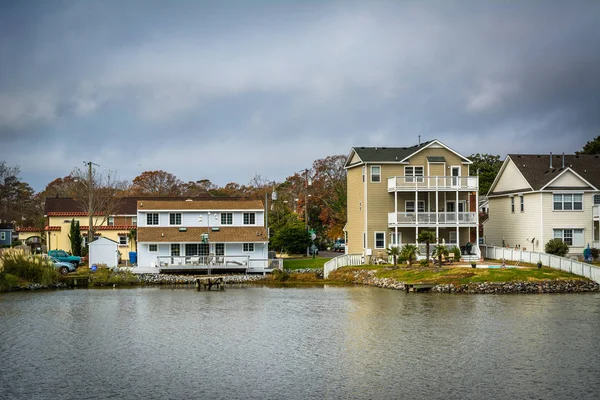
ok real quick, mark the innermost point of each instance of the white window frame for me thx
(512, 204)
(174, 216)
(596, 199)
(411, 175)
(382, 238)
(573, 237)
(364, 173)
(420, 205)
(249, 218)
(150, 220)
(375, 176)
(176, 246)
(226, 218)
(126, 240)
(522, 203)
(393, 240)
(562, 202)
(110, 221)
(219, 249)
(134, 221)
(152, 246)
(248, 247)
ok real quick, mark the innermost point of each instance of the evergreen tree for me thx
(75, 238)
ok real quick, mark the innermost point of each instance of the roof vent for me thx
(563, 159)
(550, 160)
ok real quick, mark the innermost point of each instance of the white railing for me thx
(432, 218)
(202, 261)
(342, 261)
(403, 183)
(565, 264)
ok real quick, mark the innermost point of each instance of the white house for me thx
(535, 198)
(215, 234)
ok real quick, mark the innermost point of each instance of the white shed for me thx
(104, 251)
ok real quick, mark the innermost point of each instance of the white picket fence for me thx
(342, 261)
(565, 264)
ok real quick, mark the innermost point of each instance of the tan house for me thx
(394, 193)
(59, 212)
(535, 198)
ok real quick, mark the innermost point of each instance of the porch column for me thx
(477, 217)
(396, 217)
(416, 214)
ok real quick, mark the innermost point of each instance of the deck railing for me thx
(205, 260)
(409, 183)
(565, 264)
(432, 218)
(342, 261)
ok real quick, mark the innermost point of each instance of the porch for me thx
(432, 183)
(431, 219)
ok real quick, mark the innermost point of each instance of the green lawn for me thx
(303, 263)
(458, 275)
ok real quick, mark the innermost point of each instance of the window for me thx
(175, 249)
(410, 206)
(134, 221)
(226, 218)
(395, 240)
(220, 249)
(512, 204)
(2, 235)
(380, 240)
(196, 249)
(597, 199)
(364, 172)
(153, 248)
(376, 174)
(249, 218)
(175, 219)
(413, 174)
(522, 204)
(360, 206)
(364, 240)
(248, 247)
(111, 221)
(568, 202)
(572, 237)
(123, 240)
(152, 219)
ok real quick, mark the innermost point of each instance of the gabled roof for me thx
(202, 204)
(535, 168)
(392, 154)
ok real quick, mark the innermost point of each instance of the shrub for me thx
(424, 262)
(594, 253)
(456, 251)
(106, 276)
(34, 269)
(557, 247)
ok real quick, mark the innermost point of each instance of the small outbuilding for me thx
(104, 251)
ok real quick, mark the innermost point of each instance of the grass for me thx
(304, 263)
(461, 275)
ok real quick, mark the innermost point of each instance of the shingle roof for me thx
(383, 154)
(536, 167)
(193, 234)
(202, 204)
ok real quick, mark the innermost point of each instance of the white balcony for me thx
(431, 183)
(404, 219)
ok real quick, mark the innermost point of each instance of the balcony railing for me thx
(432, 218)
(203, 261)
(409, 183)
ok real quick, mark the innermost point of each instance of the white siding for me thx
(569, 220)
(515, 229)
(146, 258)
(568, 179)
(200, 218)
(511, 179)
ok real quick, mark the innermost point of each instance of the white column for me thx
(396, 213)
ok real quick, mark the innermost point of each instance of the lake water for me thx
(297, 343)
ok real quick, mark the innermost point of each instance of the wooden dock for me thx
(75, 281)
(207, 283)
(419, 287)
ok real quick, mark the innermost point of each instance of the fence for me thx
(565, 264)
(342, 261)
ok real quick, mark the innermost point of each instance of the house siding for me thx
(514, 229)
(568, 179)
(511, 179)
(356, 214)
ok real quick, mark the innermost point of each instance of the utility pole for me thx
(306, 208)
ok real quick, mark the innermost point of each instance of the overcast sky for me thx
(229, 89)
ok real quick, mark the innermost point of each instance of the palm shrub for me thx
(395, 252)
(30, 268)
(557, 247)
(456, 251)
(440, 251)
(409, 252)
(427, 237)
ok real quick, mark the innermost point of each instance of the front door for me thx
(455, 176)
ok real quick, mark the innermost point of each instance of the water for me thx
(302, 343)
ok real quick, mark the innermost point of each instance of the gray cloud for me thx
(224, 91)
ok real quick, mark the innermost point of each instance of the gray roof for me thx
(536, 167)
(386, 154)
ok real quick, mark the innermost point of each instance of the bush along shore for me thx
(368, 278)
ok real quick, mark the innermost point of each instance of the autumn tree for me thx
(17, 198)
(591, 147)
(487, 167)
(157, 183)
(329, 194)
(203, 187)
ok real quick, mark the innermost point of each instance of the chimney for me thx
(550, 160)
(563, 159)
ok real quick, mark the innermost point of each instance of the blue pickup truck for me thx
(63, 256)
